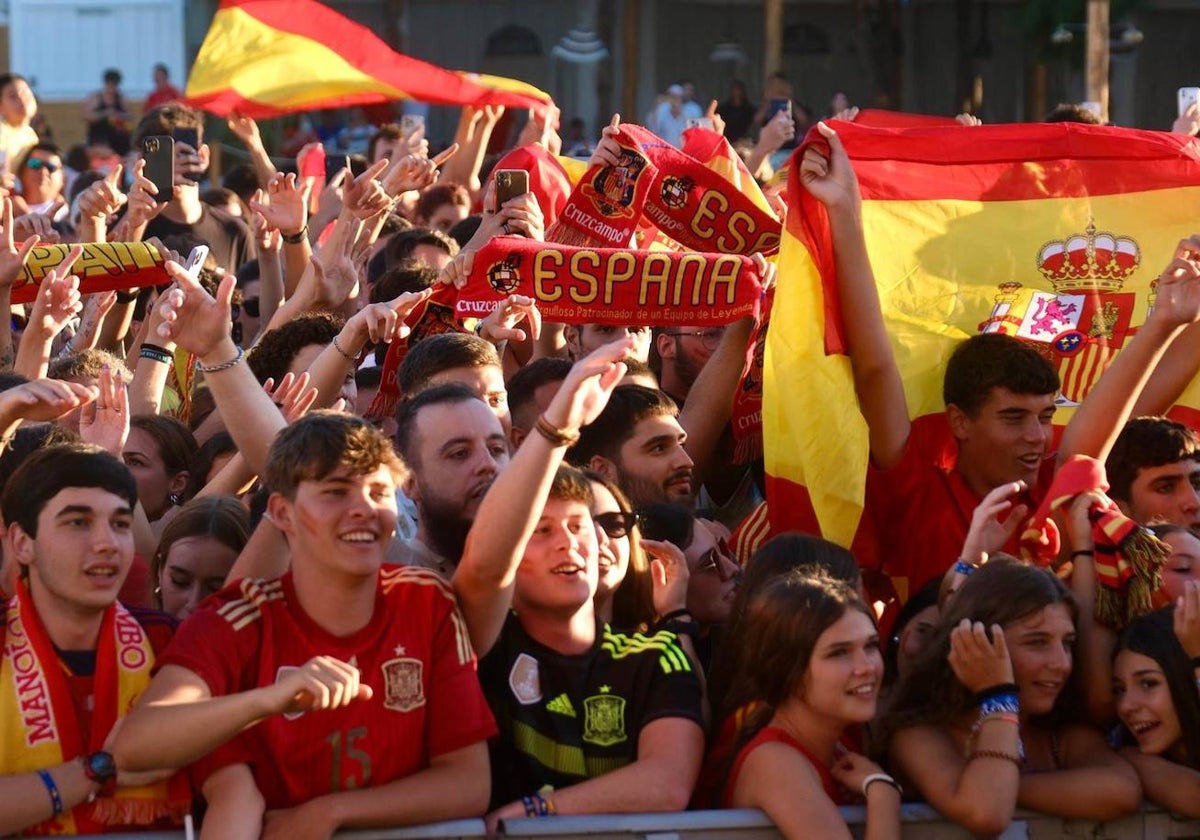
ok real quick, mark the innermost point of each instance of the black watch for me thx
(100, 768)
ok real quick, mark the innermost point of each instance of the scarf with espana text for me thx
(688, 200)
(40, 729)
(102, 267)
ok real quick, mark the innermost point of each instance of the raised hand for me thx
(608, 150)
(718, 123)
(104, 197)
(384, 322)
(365, 196)
(30, 225)
(586, 390)
(994, 522)
(191, 317)
(500, 324)
(521, 215)
(1187, 619)
(669, 575)
(780, 129)
(828, 176)
(106, 421)
(286, 204)
(415, 172)
(12, 258)
(1188, 123)
(245, 129)
(43, 400)
(57, 300)
(294, 396)
(978, 662)
(333, 271)
(1178, 292)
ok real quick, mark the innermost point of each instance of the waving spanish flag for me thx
(264, 58)
(1050, 233)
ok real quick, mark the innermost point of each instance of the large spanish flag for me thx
(1051, 233)
(263, 58)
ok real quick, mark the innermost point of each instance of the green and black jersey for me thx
(564, 719)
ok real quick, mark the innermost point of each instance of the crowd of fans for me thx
(253, 574)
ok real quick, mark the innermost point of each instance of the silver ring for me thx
(507, 229)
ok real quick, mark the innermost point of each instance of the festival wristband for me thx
(998, 705)
(611, 286)
(963, 568)
(103, 267)
(51, 788)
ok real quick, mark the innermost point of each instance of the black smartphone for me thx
(188, 136)
(159, 153)
(778, 105)
(510, 183)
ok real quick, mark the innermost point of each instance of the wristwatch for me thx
(100, 768)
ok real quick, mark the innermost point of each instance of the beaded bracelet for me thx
(351, 359)
(51, 788)
(241, 354)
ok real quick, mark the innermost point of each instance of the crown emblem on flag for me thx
(1089, 261)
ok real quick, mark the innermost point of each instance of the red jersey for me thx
(415, 655)
(921, 508)
(771, 734)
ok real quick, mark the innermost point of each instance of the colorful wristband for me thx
(962, 567)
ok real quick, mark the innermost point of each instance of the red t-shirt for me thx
(415, 655)
(921, 508)
(771, 734)
(161, 97)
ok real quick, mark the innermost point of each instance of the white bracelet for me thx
(881, 777)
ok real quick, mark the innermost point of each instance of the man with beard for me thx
(454, 446)
(680, 353)
(638, 443)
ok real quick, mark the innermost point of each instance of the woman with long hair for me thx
(1154, 685)
(816, 670)
(197, 549)
(625, 592)
(980, 724)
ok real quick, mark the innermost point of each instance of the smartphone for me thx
(1188, 96)
(510, 183)
(778, 105)
(312, 163)
(195, 260)
(410, 123)
(702, 122)
(188, 136)
(159, 153)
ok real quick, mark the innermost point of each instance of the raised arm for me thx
(508, 513)
(1102, 415)
(246, 130)
(57, 302)
(12, 261)
(877, 382)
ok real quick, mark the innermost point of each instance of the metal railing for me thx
(919, 822)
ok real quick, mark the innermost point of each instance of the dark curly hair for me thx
(273, 355)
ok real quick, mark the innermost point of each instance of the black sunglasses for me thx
(616, 524)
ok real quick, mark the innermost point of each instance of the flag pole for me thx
(1097, 54)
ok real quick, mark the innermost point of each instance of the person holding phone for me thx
(183, 214)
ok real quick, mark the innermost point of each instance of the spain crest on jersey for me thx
(604, 720)
(403, 687)
(1085, 320)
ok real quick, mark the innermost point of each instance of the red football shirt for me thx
(415, 655)
(921, 508)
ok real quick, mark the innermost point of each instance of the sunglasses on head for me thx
(616, 524)
(36, 163)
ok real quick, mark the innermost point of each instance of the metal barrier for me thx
(919, 822)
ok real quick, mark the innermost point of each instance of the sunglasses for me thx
(616, 524)
(714, 561)
(35, 164)
(249, 306)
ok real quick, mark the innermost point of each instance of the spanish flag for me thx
(264, 58)
(1054, 234)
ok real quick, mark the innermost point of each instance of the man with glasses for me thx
(40, 173)
(680, 353)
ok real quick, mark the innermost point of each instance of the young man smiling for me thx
(73, 658)
(353, 685)
(610, 722)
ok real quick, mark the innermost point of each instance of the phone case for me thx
(159, 154)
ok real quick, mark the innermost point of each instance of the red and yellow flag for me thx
(264, 58)
(1051, 233)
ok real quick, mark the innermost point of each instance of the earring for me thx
(176, 499)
